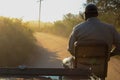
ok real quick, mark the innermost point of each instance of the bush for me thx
(17, 43)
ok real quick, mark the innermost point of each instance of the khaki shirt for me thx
(95, 30)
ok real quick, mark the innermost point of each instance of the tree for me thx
(71, 20)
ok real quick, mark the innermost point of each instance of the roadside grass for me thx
(17, 42)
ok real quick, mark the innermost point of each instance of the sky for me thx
(51, 10)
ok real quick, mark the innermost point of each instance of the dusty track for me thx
(55, 49)
(52, 49)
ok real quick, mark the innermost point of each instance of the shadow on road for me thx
(44, 58)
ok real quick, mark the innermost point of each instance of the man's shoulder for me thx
(85, 24)
(79, 25)
(107, 25)
(82, 23)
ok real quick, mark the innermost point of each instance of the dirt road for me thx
(55, 49)
(52, 49)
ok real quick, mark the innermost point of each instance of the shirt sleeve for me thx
(116, 42)
(72, 40)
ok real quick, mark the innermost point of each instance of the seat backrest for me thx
(93, 55)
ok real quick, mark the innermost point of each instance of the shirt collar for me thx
(93, 19)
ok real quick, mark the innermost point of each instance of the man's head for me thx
(91, 11)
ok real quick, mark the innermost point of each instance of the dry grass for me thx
(16, 42)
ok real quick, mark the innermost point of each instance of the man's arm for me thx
(116, 42)
(72, 40)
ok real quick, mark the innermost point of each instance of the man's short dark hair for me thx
(91, 10)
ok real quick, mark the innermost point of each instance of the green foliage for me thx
(71, 20)
(17, 43)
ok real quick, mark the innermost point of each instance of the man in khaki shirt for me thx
(94, 30)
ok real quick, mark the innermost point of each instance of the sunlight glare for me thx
(51, 10)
